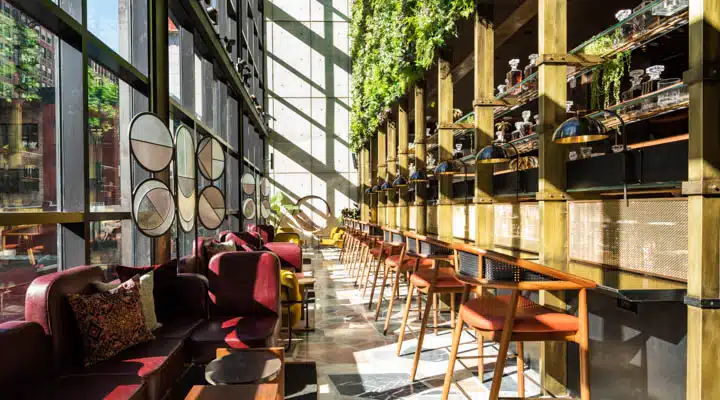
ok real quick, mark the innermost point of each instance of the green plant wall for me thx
(393, 43)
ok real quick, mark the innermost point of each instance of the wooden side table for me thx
(279, 381)
(265, 391)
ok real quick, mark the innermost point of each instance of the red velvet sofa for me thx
(290, 254)
(42, 356)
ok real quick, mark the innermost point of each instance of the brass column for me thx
(366, 182)
(391, 219)
(373, 173)
(402, 126)
(552, 92)
(445, 147)
(420, 161)
(484, 127)
(703, 291)
(381, 154)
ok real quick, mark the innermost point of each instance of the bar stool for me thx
(361, 238)
(382, 249)
(404, 263)
(437, 279)
(515, 317)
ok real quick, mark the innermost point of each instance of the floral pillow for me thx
(213, 247)
(111, 321)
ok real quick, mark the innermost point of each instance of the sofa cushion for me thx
(147, 298)
(232, 333)
(110, 322)
(164, 277)
(25, 353)
(244, 284)
(178, 328)
(96, 387)
(160, 363)
(213, 247)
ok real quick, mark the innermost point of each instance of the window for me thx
(27, 252)
(105, 139)
(174, 58)
(27, 118)
(106, 242)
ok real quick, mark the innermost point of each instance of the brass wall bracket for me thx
(456, 126)
(507, 101)
(577, 60)
(446, 203)
(710, 187)
(547, 196)
(702, 303)
(483, 200)
(708, 72)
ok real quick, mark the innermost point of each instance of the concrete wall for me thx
(308, 67)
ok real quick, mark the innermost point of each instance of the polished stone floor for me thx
(356, 361)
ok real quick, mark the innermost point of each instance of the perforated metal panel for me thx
(518, 226)
(411, 245)
(494, 270)
(649, 236)
(432, 222)
(472, 229)
(386, 236)
(397, 238)
(468, 264)
(413, 218)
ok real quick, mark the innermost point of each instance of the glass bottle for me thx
(500, 133)
(531, 67)
(501, 90)
(668, 8)
(651, 85)
(514, 76)
(517, 133)
(642, 21)
(635, 90)
(526, 126)
(536, 127)
(626, 29)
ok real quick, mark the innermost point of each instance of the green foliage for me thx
(608, 87)
(103, 101)
(22, 41)
(393, 43)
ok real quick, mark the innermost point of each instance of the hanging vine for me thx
(393, 43)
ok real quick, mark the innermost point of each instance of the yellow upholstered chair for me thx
(335, 239)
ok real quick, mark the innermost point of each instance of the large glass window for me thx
(27, 252)
(106, 242)
(27, 114)
(105, 137)
(174, 58)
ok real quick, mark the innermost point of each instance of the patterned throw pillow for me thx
(110, 322)
(147, 297)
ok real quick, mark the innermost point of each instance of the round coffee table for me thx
(244, 367)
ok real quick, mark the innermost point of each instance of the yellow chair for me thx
(335, 239)
(291, 298)
(288, 237)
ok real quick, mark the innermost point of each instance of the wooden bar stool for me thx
(372, 240)
(383, 249)
(437, 279)
(405, 263)
(515, 317)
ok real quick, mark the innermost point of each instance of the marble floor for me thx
(356, 361)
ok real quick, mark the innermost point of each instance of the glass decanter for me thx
(526, 126)
(626, 29)
(651, 85)
(669, 7)
(642, 21)
(536, 127)
(517, 133)
(514, 76)
(500, 133)
(635, 90)
(531, 68)
(501, 89)
(569, 106)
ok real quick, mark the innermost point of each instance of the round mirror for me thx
(185, 164)
(248, 208)
(151, 142)
(265, 187)
(248, 184)
(153, 208)
(211, 207)
(211, 158)
(265, 209)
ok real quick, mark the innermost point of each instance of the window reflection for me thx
(27, 113)
(104, 156)
(27, 251)
(106, 242)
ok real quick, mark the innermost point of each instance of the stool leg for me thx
(481, 358)
(457, 333)
(504, 345)
(421, 336)
(396, 287)
(366, 277)
(419, 305)
(452, 310)
(361, 265)
(436, 309)
(382, 293)
(377, 272)
(408, 304)
(520, 370)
